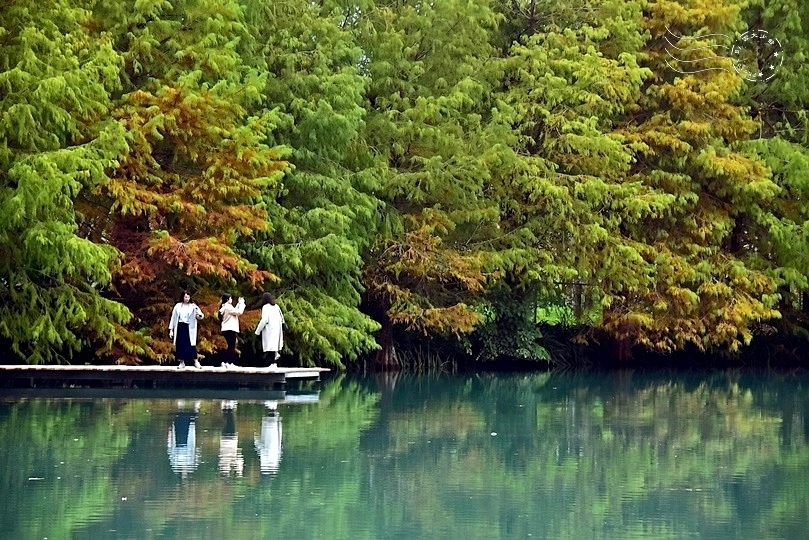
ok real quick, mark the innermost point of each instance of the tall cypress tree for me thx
(780, 105)
(570, 77)
(190, 185)
(429, 134)
(685, 134)
(634, 181)
(56, 142)
(325, 216)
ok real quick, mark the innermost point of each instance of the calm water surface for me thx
(617, 455)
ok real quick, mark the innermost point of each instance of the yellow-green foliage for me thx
(397, 165)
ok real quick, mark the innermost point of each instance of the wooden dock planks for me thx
(150, 376)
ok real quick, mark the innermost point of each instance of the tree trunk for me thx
(386, 358)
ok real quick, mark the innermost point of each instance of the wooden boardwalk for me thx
(240, 395)
(25, 376)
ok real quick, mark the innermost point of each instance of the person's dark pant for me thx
(230, 424)
(230, 352)
(269, 357)
(185, 351)
(182, 427)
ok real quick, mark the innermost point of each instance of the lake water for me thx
(610, 455)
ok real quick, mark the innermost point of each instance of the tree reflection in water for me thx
(575, 455)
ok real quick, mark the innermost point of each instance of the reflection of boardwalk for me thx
(152, 376)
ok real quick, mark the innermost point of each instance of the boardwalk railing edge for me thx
(30, 376)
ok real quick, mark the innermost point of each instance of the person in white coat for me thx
(271, 329)
(183, 330)
(229, 315)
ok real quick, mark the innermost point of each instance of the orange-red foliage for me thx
(180, 199)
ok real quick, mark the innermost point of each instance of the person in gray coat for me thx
(183, 330)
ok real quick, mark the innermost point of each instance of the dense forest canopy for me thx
(462, 172)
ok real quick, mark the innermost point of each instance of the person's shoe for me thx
(273, 366)
(197, 364)
(181, 366)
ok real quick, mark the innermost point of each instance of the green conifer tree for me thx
(430, 135)
(780, 105)
(56, 142)
(685, 132)
(325, 216)
(633, 179)
(570, 76)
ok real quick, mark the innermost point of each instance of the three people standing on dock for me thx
(183, 330)
(229, 315)
(271, 329)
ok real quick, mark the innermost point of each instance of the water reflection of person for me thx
(182, 441)
(268, 441)
(230, 455)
